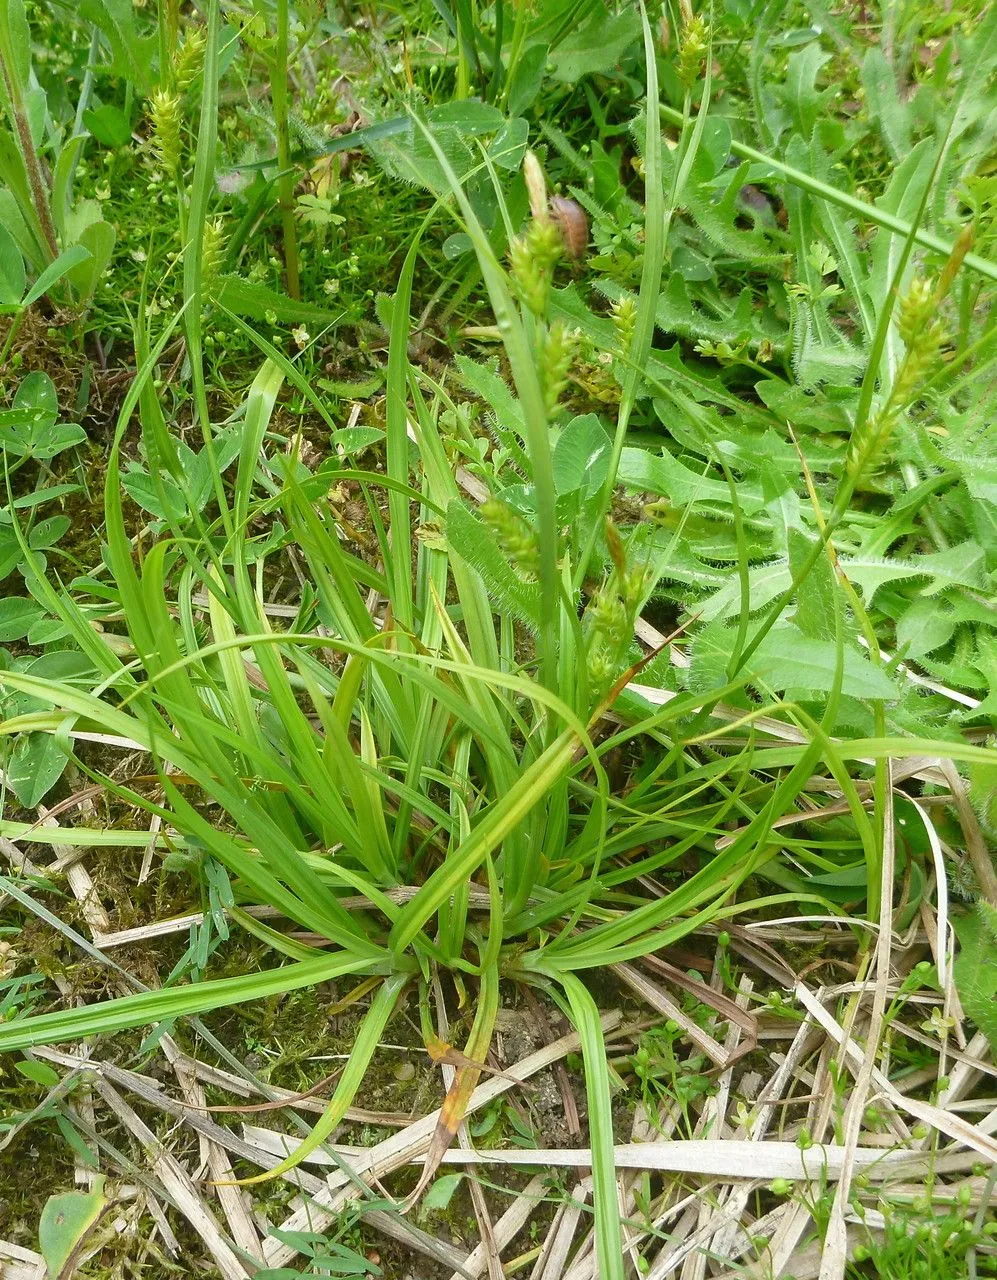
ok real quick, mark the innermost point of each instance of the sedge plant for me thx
(414, 754)
(413, 738)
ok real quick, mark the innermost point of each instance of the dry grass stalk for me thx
(410, 1144)
(177, 1184)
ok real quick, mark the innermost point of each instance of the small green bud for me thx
(624, 321)
(633, 584)
(600, 669)
(607, 617)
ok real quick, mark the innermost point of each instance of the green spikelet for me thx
(556, 354)
(517, 541)
(693, 49)
(212, 252)
(606, 623)
(188, 60)
(166, 117)
(624, 322)
(532, 258)
(923, 335)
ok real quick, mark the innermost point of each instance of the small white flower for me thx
(330, 287)
(138, 255)
(301, 337)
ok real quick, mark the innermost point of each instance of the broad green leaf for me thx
(955, 567)
(259, 302)
(666, 476)
(97, 238)
(597, 45)
(108, 125)
(46, 533)
(722, 220)
(975, 968)
(352, 440)
(442, 1191)
(525, 82)
(64, 1224)
(17, 210)
(456, 246)
(18, 41)
(35, 766)
(804, 98)
(815, 595)
(54, 272)
(892, 116)
(924, 627)
(507, 147)
(39, 1072)
(36, 397)
(581, 456)
(12, 275)
(10, 554)
(787, 659)
(469, 539)
(17, 615)
(131, 52)
(803, 408)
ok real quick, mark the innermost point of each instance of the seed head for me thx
(188, 59)
(624, 322)
(212, 251)
(557, 351)
(532, 256)
(514, 536)
(166, 117)
(693, 48)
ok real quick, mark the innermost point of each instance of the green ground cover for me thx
(498, 639)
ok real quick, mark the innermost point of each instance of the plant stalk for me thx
(285, 180)
(33, 165)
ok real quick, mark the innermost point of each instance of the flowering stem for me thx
(32, 164)
(285, 178)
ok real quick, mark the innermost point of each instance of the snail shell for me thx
(574, 225)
